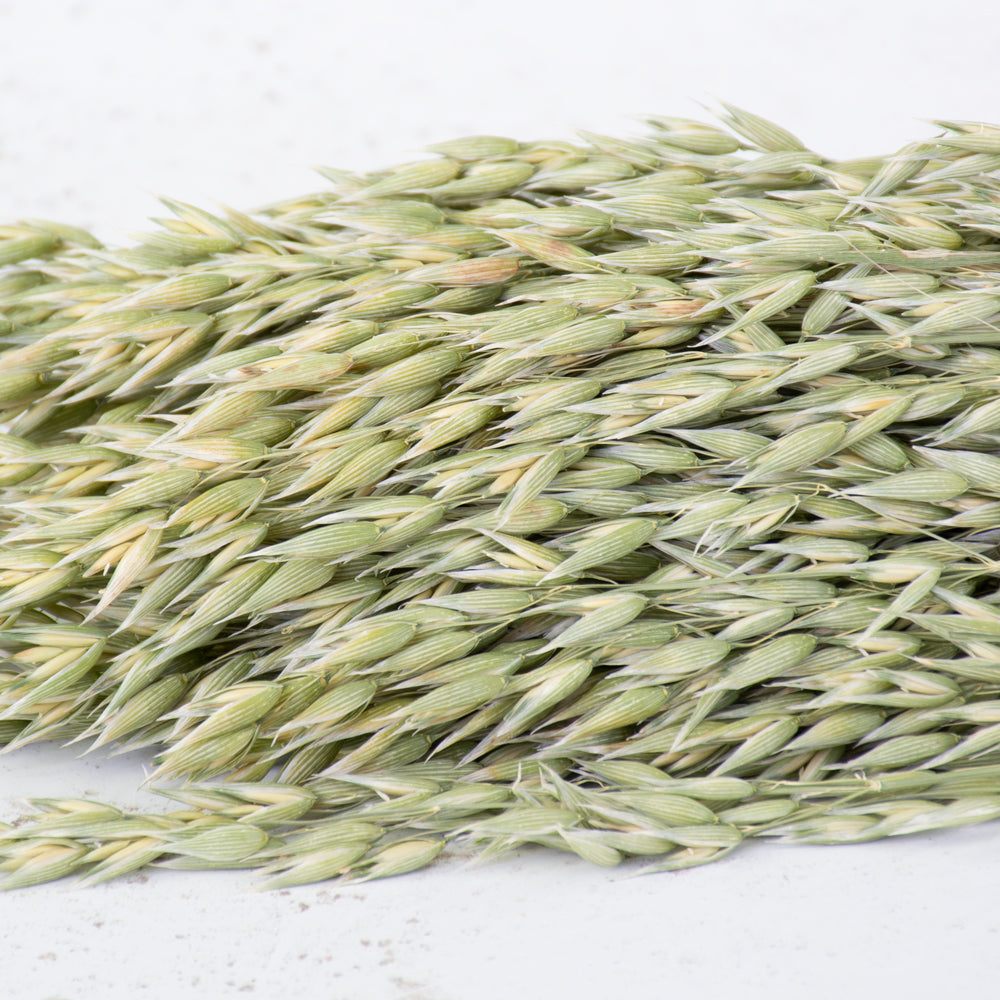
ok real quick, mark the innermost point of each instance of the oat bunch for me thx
(628, 496)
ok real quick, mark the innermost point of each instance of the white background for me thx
(105, 104)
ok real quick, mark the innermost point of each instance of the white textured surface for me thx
(102, 103)
(914, 918)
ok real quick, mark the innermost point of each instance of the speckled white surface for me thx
(914, 918)
(104, 103)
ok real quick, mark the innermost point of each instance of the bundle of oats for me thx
(630, 497)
